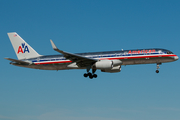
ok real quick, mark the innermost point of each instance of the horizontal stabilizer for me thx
(18, 61)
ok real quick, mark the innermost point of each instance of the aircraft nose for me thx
(176, 58)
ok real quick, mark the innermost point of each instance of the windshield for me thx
(169, 52)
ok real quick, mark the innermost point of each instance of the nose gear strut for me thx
(157, 71)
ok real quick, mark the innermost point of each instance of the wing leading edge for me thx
(81, 61)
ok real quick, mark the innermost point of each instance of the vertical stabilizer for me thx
(21, 48)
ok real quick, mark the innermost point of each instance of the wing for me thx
(18, 61)
(81, 61)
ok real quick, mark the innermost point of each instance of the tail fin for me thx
(21, 48)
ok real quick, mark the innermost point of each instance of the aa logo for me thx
(23, 48)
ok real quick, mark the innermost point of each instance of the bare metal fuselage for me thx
(58, 62)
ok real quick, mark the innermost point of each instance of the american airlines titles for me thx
(141, 51)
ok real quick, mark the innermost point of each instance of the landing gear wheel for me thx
(90, 76)
(95, 75)
(157, 71)
(85, 75)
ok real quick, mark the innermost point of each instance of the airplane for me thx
(108, 61)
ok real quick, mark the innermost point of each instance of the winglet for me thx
(71, 56)
(53, 45)
(55, 48)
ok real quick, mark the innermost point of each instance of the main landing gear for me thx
(91, 75)
(157, 71)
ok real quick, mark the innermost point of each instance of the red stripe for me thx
(137, 57)
(54, 62)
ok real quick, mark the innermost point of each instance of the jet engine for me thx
(104, 64)
(108, 65)
(113, 70)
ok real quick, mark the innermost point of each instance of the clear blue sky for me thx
(136, 93)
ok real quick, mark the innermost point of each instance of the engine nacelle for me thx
(104, 64)
(107, 64)
(116, 62)
(113, 70)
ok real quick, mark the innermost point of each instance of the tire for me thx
(85, 75)
(95, 75)
(157, 71)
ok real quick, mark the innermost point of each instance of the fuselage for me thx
(108, 61)
(128, 57)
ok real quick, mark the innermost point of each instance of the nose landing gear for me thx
(157, 71)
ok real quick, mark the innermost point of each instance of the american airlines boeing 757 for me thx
(108, 61)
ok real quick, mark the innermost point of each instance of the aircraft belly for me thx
(48, 67)
(45, 67)
(74, 66)
(146, 61)
(52, 67)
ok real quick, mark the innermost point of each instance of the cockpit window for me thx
(169, 52)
